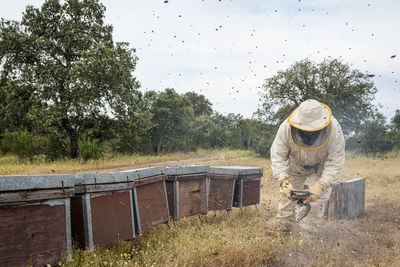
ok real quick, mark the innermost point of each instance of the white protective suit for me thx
(297, 163)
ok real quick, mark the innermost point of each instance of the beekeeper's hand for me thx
(286, 187)
(317, 189)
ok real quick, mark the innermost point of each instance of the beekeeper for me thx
(308, 149)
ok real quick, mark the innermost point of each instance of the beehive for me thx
(35, 219)
(347, 199)
(187, 190)
(151, 204)
(247, 184)
(102, 210)
(220, 189)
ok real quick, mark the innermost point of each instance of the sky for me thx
(225, 49)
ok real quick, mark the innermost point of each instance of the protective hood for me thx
(308, 140)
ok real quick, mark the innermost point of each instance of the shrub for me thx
(56, 148)
(25, 145)
(89, 149)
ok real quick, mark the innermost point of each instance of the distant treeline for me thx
(68, 90)
(165, 122)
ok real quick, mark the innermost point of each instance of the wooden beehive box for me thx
(102, 209)
(35, 221)
(221, 188)
(187, 190)
(247, 184)
(347, 200)
(151, 204)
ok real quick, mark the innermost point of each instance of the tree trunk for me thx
(159, 147)
(73, 138)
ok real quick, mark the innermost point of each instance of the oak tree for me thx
(63, 59)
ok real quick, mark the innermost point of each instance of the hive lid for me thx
(149, 172)
(105, 177)
(355, 180)
(182, 170)
(236, 170)
(35, 182)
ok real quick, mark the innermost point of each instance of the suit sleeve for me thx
(280, 153)
(335, 157)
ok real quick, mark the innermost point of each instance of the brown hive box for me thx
(35, 219)
(102, 209)
(220, 189)
(150, 197)
(347, 200)
(187, 190)
(247, 184)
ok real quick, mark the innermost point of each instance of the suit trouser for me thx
(314, 218)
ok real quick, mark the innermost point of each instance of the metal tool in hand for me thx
(300, 210)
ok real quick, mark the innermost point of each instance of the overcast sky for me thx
(226, 49)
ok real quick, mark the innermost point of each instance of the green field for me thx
(251, 237)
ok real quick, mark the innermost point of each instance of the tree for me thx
(374, 135)
(134, 127)
(172, 115)
(64, 53)
(201, 105)
(396, 120)
(394, 132)
(349, 93)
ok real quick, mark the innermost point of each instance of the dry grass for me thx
(9, 165)
(253, 239)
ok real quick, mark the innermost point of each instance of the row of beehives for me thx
(40, 216)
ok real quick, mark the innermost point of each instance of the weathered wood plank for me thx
(354, 197)
(347, 200)
(192, 197)
(22, 196)
(152, 205)
(220, 193)
(150, 180)
(33, 234)
(111, 218)
(91, 188)
(251, 192)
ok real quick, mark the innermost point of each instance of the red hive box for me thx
(35, 219)
(187, 190)
(102, 210)
(151, 205)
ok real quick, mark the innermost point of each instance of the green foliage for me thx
(201, 105)
(89, 149)
(63, 79)
(394, 132)
(172, 115)
(396, 120)
(56, 148)
(374, 136)
(60, 61)
(349, 93)
(25, 145)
